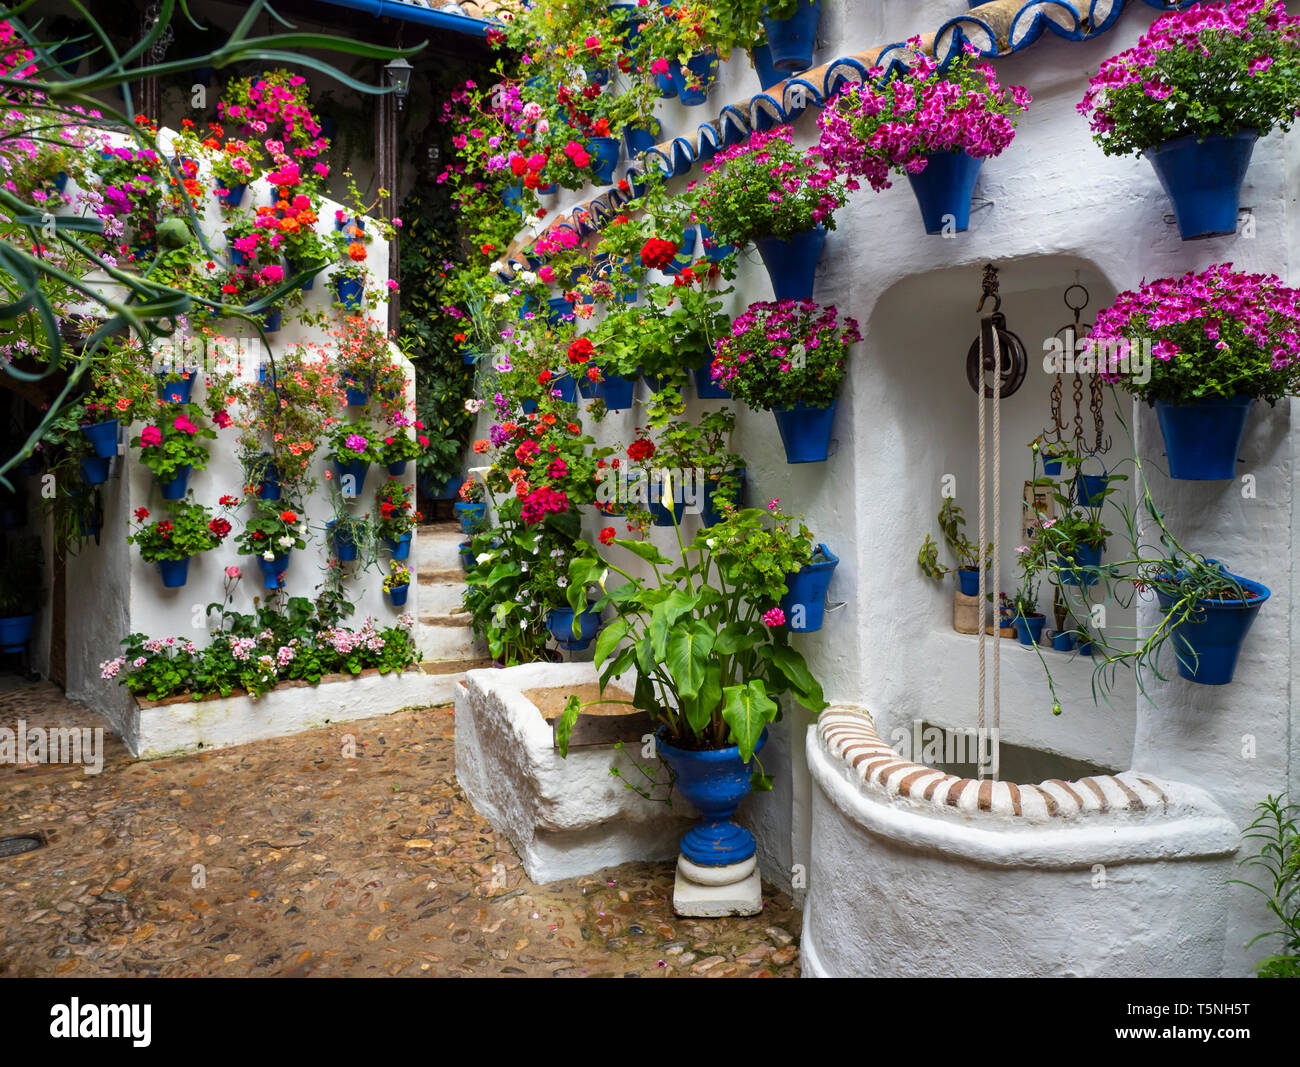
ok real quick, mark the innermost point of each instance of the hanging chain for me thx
(1078, 405)
(1103, 442)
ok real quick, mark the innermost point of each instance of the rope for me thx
(990, 344)
(979, 394)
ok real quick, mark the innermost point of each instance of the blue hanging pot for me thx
(792, 264)
(617, 392)
(713, 252)
(94, 470)
(357, 398)
(529, 407)
(296, 268)
(761, 56)
(397, 595)
(1051, 464)
(1084, 556)
(177, 391)
(604, 158)
(273, 320)
(804, 603)
(15, 632)
(1090, 489)
(660, 513)
(705, 386)
(1209, 641)
(560, 622)
(356, 471)
(806, 432)
(968, 579)
(175, 489)
(512, 197)
(446, 491)
(944, 190)
(693, 88)
(567, 386)
(1063, 642)
(397, 468)
(273, 570)
(230, 195)
(711, 512)
(638, 139)
(1030, 630)
(175, 572)
(103, 438)
(715, 781)
(470, 515)
(348, 292)
(269, 488)
(1203, 180)
(400, 547)
(791, 40)
(1203, 439)
(557, 309)
(345, 545)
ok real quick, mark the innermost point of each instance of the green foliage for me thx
(188, 529)
(1277, 829)
(966, 553)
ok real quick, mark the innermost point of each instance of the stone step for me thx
(443, 577)
(437, 547)
(448, 674)
(447, 637)
(440, 599)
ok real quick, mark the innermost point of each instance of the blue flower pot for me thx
(660, 513)
(560, 622)
(597, 75)
(94, 471)
(1063, 642)
(683, 259)
(1203, 180)
(1208, 643)
(1084, 556)
(806, 432)
(470, 515)
(397, 468)
(469, 357)
(273, 320)
(357, 398)
(1090, 489)
(792, 264)
(705, 386)
(804, 603)
(444, 491)
(617, 392)
(567, 386)
(297, 268)
(715, 781)
(345, 547)
(1030, 631)
(557, 308)
(1051, 465)
(397, 595)
(269, 487)
(703, 67)
(1203, 440)
(237, 258)
(348, 292)
(175, 572)
(944, 189)
(1085, 648)
(356, 471)
(177, 391)
(273, 570)
(528, 407)
(638, 139)
(512, 197)
(399, 548)
(968, 578)
(791, 40)
(175, 489)
(604, 158)
(466, 555)
(103, 438)
(234, 195)
(713, 252)
(761, 56)
(15, 632)
(711, 513)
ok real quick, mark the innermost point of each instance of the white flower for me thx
(497, 267)
(561, 582)
(543, 125)
(268, 555)
(528, 277)
(483, 557)
(473, 406)
(285, 542)
(531, 220)
(710, 542)
(501, 298)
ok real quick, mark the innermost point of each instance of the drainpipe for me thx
(424, 16)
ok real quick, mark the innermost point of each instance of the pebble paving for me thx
(294, 857)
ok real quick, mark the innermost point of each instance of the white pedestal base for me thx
(731, 890)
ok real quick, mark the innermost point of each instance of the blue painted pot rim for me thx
(708, 755)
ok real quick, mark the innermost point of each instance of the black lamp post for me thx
(397, 72)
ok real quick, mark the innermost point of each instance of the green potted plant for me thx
(172, 450)
(271, 533)
(1276, 830)
(1193, 96)
(965, 552)
(355, 445)
(396, 583)
(395, 516)
(186, 530)
(789, 358)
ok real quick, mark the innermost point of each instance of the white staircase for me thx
(442, 628)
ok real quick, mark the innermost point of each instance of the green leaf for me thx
(664, 614)
(568, 719)
(747, 710)
(688, 656)
(807, 690)
(645, 550)
(609, 638)
(735, 637)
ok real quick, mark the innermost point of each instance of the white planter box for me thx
(566, 817)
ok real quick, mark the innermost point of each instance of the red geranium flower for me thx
(658, 253)
(607, 535)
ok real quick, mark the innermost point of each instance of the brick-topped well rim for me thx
(849, 735)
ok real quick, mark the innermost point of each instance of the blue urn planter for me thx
(1203, 440)
(399, 547)
(560, 622)
(792, 264)
(15, 632)
(356, 471)
(804, 603)
(968, 578)
(705, 387)
(103, 438)
(397, 595)
(1203, 180)
(273, 570)
(470, 515)
(1084, 556)
(791, 40)
(175, 572)
(604, 158)
(943, 191)
(805, 432)
(175, 489)
(345, 546)
(177, 391)
(715, 781)
(1209, 641)
(1030, 630)
(94, 470)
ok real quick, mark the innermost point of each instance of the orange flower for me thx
(357, 251)
(480, 446)
(289, 225)
(549, 419)
(522, 488)
(517, 473)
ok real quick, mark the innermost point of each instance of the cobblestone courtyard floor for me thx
(284, 858)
